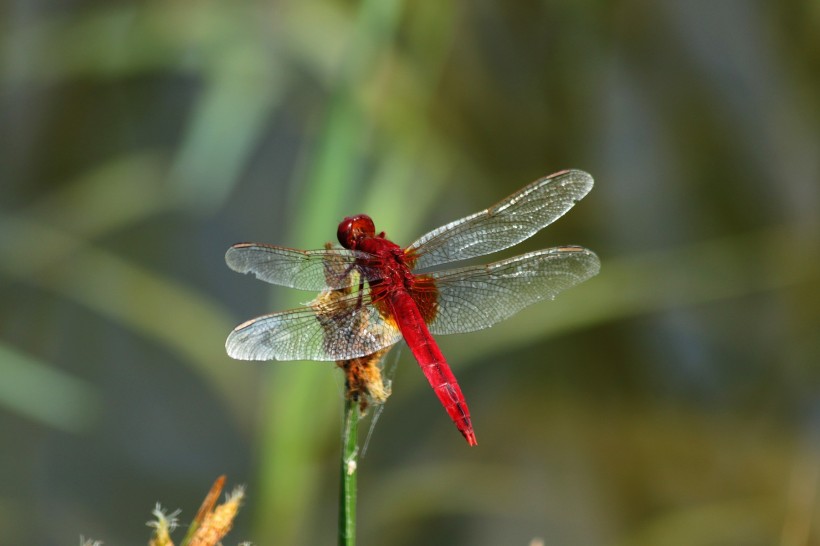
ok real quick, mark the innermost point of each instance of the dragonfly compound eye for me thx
(353, 228)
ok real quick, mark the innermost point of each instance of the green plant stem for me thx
(349, 462)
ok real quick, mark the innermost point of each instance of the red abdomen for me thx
(432, 362)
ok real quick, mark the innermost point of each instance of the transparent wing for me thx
(332, 327)
(303, 269)
(474, 298)
(505, 224)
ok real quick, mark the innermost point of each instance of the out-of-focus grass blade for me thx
(226, 125)
(225, 46)
(118, 40)
(301, 395)
(112, 196)
(188, 323)
(46, 394)
(413, 155)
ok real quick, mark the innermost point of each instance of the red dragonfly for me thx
(384, 293)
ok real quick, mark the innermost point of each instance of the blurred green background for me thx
(673, 399)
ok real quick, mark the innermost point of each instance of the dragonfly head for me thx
(353, 229)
